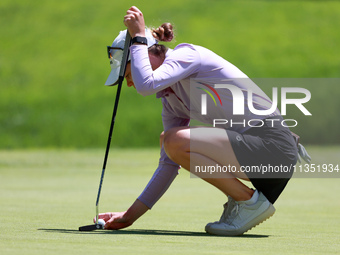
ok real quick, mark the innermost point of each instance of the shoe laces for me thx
(235, 212)
(231, 211)
(228, 207)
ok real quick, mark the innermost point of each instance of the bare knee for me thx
(161, 139)
(176, 142)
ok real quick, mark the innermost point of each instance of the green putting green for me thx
(45, 195)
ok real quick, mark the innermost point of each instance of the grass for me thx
(45, 195)
(53, 62)
(53, 66)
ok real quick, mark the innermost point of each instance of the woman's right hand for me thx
(114, 220)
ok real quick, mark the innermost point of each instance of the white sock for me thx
(253, 199)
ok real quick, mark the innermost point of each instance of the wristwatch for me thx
(139, 39)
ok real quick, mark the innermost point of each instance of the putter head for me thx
(90, 227)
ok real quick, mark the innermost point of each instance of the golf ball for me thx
(101, 222)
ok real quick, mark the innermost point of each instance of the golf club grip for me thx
(120, 82)
(125, 54)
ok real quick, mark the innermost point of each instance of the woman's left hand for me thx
(134, 21)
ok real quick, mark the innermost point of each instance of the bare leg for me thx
(207, 146)
(161, 139)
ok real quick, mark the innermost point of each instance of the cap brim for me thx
(115, 63)
(117, 56)
(113, 77)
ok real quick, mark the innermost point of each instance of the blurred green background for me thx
(53, 64)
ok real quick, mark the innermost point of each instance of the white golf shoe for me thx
(239, 216)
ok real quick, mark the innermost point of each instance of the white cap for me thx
(116, 55)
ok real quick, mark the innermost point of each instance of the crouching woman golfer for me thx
(168, 73)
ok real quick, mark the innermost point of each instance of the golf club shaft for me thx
(120, 82)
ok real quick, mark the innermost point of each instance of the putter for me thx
(120, 82)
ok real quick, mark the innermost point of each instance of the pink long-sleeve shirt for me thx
(175, 83)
